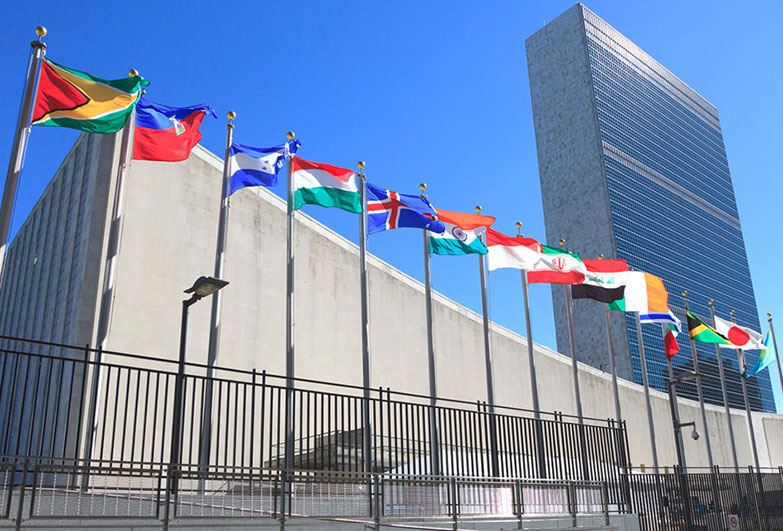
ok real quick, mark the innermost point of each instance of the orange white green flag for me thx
(646, 294)
(462, 235)
(69, 98)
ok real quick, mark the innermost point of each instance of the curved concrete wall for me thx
(168, 240)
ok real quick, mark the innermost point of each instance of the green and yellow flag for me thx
(703, 333)
(74, 99)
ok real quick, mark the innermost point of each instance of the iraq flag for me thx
(604, 282)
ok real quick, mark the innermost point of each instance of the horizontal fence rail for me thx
(63, 402)
(43, 491)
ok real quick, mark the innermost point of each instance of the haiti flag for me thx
(167, 134)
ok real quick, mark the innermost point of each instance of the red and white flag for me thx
(740, 337)
(514, 252)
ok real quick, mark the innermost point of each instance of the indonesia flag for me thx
(509, 252)
(167, 134)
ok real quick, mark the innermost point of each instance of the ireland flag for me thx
(320, 184)
(462, 234)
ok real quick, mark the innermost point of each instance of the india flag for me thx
(462, 235)
(320, 184)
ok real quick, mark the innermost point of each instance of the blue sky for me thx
(423, 91)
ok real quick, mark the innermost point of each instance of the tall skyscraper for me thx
(633, 165)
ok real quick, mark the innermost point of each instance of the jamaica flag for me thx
(74, 99)
(703, 333)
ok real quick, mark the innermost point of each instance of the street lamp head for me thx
(695, 434)
(206, 286)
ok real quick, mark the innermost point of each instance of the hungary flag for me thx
(557, 266)
(700, 331)
(74, 99)
(462, 234)
(320, 184)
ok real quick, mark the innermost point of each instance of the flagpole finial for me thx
(133, 72)
(684, 293)
(709, 302)
(518, 225)
(561, 242)
(478, 209)
(731, 312)
(40, 31)
(290, 135)
(231, 115)
(423, 186)
(601, 256)
(360, 164)
(769, 316)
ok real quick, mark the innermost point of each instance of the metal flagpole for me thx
(775, 346)
(695, 357)
(434, 435)
(646, 382)
(575, 375)
(366, 383)
(110, 266)
(742, 368)
(574, 366)
(532, 369)
(19, 147)
(493, 431)
(214, 321)
(725, 396)
(289, 337)
(613, 361)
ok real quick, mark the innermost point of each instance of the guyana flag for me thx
(703, 333)
(69, 98)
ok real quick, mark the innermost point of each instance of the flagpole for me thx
(434, 435)
(214, 321)
(289, 334)
(493, 433)
(743, 368)
(532, 368)
(613, 361)
(19, 147)
(110, 266)
(725, 395)
(695, 358)
(574, 365)
(366, 431)
(646, 382)
(575, 376)
(775, 346)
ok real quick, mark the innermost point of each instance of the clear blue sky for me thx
(423, 91)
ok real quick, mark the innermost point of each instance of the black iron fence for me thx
(710, 500)
(59, 401)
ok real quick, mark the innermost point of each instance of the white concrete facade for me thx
(168, 240)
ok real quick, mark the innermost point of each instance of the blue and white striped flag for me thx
(257, 166)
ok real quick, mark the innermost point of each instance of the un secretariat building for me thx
(633, 166)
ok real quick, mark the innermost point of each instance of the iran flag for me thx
(740, 337)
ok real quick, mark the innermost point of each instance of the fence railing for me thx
(39, 491)
(59, 401)
(753, 498)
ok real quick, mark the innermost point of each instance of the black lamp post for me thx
(203, 287)
(675, 411)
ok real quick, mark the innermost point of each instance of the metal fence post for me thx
(519, 508)
(571, 490)
(605, 501)
(22, 484)
(377, 486)
(454, 504)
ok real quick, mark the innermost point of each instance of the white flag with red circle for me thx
(740, 337)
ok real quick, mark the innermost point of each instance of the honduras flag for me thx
(388, 210)
(257, 166)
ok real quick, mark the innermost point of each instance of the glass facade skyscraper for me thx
(633, 166)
